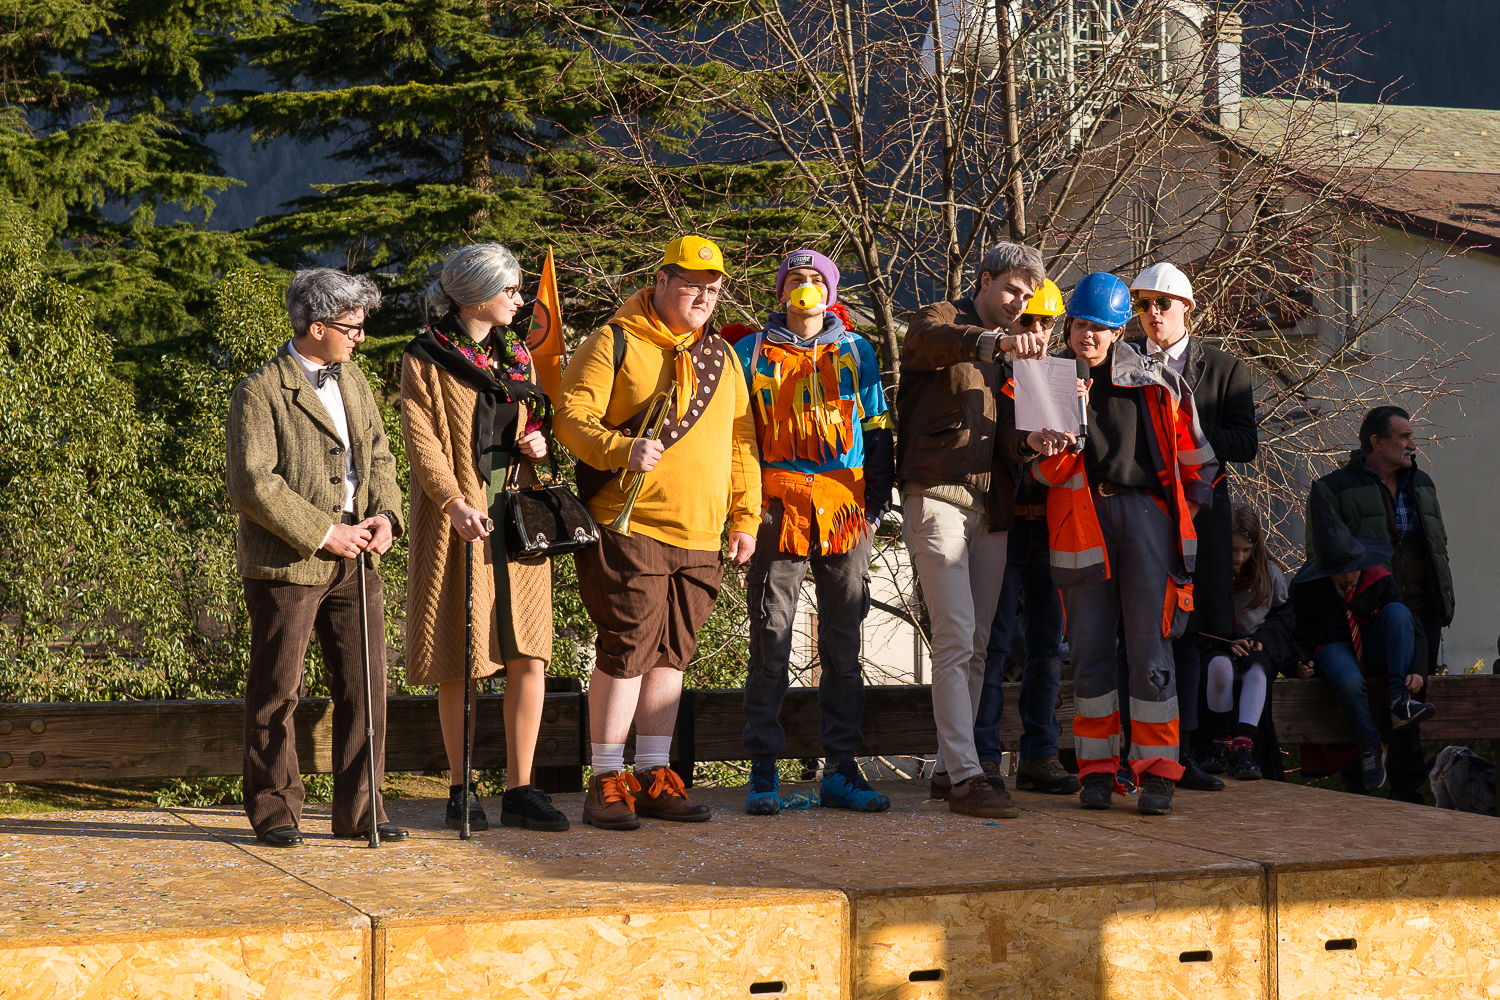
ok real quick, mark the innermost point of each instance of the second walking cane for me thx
(464, 832)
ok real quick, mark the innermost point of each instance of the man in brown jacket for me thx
(313, 477)
(956, 442)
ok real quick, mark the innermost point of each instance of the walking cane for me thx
(463, 832)
(364, 657)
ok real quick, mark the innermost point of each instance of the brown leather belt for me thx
(1116, 490)
(1032, 510)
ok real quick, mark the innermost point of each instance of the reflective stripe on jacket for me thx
(1183, 459)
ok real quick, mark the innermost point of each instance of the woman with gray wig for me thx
(471, 416)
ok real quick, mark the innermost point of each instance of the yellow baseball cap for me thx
(694, 253)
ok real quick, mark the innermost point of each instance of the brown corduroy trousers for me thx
(283, 618)
(648, 599)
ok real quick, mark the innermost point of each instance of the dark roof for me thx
(1433, 171)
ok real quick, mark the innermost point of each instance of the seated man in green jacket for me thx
(1381, 494)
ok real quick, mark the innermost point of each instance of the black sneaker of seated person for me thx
(530, 808)
(455, 812)
(1406, 712)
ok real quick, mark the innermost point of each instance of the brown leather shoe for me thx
(665, 797)
(977, 797)
(610, 804)
(942, 785)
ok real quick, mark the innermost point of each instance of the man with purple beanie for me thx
(827, 468)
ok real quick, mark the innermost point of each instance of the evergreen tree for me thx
(480, 121)
(101, 129)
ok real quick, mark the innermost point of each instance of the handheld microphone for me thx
(1083, 408)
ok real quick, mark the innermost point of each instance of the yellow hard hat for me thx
(694, 253)
(1046, 301)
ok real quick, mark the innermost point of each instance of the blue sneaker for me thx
(764, 798)
(839, 791)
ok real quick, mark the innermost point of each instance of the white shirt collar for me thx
(1175, 352)
(308, 368)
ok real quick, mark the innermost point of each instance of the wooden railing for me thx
(98, 741)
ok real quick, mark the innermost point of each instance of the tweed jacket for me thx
(285, 470)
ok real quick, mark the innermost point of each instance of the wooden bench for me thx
(97, 741)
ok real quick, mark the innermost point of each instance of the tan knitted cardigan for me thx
(437, 421)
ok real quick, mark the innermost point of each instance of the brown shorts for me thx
(648, 600)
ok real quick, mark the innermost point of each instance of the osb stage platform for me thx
(1264, 890)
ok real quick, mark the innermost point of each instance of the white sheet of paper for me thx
(1047, 394)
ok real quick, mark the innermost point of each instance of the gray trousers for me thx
(1141, 541)
(842, 585)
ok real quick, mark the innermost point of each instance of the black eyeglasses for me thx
(345, 328)
(1163, 304)
(1035, 320)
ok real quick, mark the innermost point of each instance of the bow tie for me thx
(331, 372)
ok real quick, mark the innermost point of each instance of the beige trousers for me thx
(961, 565)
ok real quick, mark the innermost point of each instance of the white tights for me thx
(1221, 689)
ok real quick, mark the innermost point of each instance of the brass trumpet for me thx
(630, 480)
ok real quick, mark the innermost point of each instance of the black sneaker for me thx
(1372, 766)
(1406, 712)
(1156, 795)
(455, 816)
(1196, 779)
(530, 808)
(1242, 766)
(1098, 791)
(1216, 761)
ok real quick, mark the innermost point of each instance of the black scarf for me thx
(493, 392)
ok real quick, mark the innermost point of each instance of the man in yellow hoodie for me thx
(649, 591)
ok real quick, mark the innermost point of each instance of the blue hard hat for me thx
(1101, 298)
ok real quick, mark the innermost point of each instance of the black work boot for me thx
(1156, 795)
(1098, 791)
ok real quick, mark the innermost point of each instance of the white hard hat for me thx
(1166, 278)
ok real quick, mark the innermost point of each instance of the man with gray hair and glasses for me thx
(957, 444)
(312, 475)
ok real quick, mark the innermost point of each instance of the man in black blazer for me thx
(1225, 398)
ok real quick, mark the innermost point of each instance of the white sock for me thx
(652, 751)
(608, 757)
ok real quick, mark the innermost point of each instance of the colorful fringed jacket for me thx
(824, 432)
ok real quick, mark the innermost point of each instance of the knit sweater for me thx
(710, 475)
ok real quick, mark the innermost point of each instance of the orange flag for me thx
(545, 339)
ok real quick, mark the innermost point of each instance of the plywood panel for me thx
(587, 913)
(138, 903)
(1288, 826)
(703, 954)
(1417, 931)
(1122, 941)
(291, 965)
(919, 846)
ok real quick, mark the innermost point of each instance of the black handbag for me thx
(544, 520)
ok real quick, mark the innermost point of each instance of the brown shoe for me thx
(609, 804)
(942, 785)
(977, 797)
(1046, 774)
(665, 797)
